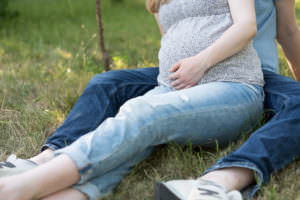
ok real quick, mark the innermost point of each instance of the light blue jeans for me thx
(202, 115)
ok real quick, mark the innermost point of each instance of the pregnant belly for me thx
(190, 36)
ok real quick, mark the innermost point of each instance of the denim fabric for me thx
(269, 149)
(277, 143)
(102, 98)
(203, 114)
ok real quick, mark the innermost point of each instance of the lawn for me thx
(47, 56)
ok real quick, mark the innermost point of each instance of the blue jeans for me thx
(102, 98)
(263, 152)
(203, 114)
(277, 143)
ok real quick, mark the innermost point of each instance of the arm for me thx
(189, 71)
(159, 24)
(288, 34)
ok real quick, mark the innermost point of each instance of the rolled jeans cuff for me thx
(90, 190)
(250, 191)
(49, 146)
(82, 162)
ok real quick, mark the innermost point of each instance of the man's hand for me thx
(187, 72)
(288, 34)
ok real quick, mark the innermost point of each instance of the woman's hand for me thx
(188, 72)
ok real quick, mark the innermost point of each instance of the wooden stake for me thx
(106, 57)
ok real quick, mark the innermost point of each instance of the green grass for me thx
(47, 56)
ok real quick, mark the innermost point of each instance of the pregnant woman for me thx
(211, 38)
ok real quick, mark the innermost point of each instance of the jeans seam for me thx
(49, 146)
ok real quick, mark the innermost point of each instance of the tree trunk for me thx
(106, 57)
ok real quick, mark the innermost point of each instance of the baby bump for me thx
(189, 37)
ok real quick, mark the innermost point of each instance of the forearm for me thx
(230, 43)
(289, 39)
(288, 34)
(237, 36)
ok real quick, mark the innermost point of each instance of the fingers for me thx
(180, 87)
(176, 82)
(183, 86)
(180, 79)
(175, 67)
(188, 86)
(180, 83)
(174, 76)
(173, 70)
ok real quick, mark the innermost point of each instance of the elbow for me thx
(254, 31)
(249, 29)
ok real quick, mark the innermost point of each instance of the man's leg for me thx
(271, 147)
(277, 143)
(101, 99)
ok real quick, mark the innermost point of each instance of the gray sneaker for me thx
(193, 190)
(14, 165)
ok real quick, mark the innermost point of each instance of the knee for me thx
(105, 77)
(137, 108)
(107, 80)
(288, 104)
(293, 104)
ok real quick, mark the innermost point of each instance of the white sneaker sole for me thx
(163, 192)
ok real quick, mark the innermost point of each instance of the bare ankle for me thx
(43, 157)
(233, 178)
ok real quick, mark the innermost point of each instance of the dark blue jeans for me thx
(269, 149)
(102, 98)
(277, 143)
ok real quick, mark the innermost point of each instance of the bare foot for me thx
(69, 193)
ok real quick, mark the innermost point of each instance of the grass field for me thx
(50, 51)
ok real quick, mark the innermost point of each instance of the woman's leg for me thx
(202, 115)
(67, 194)
(57, 174)
(100, 186)
(102, 98)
